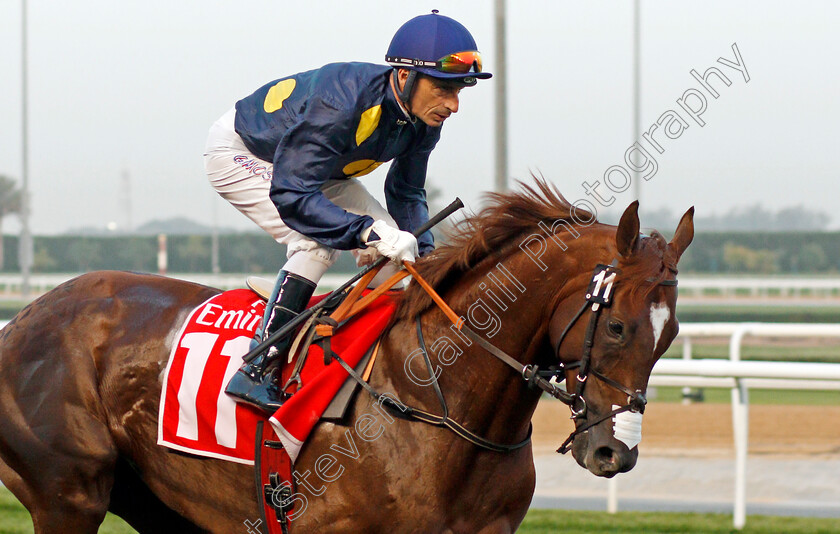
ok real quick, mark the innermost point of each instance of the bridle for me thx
(598, 296)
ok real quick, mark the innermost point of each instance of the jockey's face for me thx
(432, 100)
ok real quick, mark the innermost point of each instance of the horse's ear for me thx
(683, 236)
(627, 234)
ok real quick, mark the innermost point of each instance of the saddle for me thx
(318, 330)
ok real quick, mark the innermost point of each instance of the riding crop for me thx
(303, 316)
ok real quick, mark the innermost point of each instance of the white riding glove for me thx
(390, 242)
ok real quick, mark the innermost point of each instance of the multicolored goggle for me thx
(457, 63)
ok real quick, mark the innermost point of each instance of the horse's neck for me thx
(506, 303)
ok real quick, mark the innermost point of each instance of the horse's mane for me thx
(486, 233)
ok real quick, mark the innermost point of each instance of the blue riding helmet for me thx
(436, 46)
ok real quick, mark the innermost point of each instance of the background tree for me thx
(135, 253)
(86, 254)
(243, 255)
(10, 204)
(42, 261)
(191, 254)
(741, 259)
(810, 259)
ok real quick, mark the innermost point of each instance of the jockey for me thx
(289, 156)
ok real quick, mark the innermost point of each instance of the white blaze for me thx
(627, 427)
(659, 315)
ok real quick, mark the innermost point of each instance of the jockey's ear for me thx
(627, 234)
(402, 76)
(683, 235)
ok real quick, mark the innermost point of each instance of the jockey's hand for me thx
(398, 245)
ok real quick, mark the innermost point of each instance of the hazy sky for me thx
(134, 86)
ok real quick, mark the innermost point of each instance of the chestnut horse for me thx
(81, 369)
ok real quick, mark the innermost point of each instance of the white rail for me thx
(742, 375)
(751, 369)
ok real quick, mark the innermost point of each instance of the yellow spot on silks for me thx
(361, 167)
(277, 94)
(368, 123)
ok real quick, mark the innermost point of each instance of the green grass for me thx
(769, 313)
(552, 521)
(757, 396)
(14, 518)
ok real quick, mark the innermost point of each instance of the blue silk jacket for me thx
(338, 122)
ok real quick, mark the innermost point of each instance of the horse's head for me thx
(610, 343)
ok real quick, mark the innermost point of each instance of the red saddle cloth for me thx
(196, 416)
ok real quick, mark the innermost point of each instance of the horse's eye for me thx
(616, 328)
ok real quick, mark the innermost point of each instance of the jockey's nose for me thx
(452, 103)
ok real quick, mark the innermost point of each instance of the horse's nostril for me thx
(607, 459)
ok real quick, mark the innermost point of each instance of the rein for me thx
(417, 414)
(598, 296)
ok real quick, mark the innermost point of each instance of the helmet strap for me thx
(404, 94)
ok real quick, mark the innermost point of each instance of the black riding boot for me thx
(255, 382)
